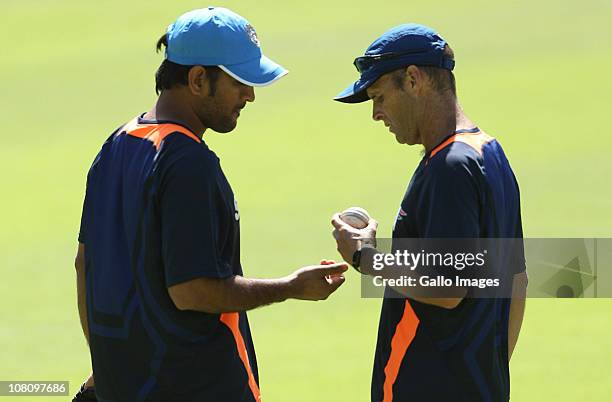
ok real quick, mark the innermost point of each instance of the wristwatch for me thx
(356, 260)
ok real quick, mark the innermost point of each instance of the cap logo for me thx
(252, 34)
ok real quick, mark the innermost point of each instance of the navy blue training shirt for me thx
(462, 188)
(159, 211)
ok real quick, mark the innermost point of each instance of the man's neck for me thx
(450, 118)
(169, 106)
(441, 122)
(463, 122)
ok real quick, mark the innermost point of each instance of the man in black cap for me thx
(450, 347)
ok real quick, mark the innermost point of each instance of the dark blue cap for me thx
(404, 45)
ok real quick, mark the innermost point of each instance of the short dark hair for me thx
(441, 78)
(170, 74)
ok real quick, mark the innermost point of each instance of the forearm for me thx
(79, 264)
(448, 298)
(82, 304)
(232, 294)
(517, 310)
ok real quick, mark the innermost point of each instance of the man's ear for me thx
(197, 81)
(413, 79)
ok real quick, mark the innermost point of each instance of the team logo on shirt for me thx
(252, 34)
(236, 212)
(401, 214)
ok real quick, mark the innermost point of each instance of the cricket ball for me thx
(356, 217)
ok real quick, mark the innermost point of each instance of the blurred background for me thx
(535, 74)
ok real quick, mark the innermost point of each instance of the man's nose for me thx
(249, 95)
(377, 114)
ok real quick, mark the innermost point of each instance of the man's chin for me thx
(226, 127)
(406, 140)
(400, 139)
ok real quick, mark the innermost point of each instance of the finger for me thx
(337, 222)
(327, 262)
(335, 282)
(372, 224)
(333, 269)
(331, 278)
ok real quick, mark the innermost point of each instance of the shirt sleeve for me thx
(192, 210)
(85, 214)
(519, 264)
(83, 226)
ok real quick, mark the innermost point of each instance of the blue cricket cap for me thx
(404, 45)
(216, 36)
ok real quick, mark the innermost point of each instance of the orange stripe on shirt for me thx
(402, 338)
(231, 320)
(475, 140)
(156, 132)
(441, 146)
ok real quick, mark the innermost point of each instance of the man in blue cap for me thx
(161, 292)
(433, 347)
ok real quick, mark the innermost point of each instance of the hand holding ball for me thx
(350, 241)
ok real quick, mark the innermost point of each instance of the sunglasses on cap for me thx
(363, 63)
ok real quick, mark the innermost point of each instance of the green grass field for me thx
(534, 74)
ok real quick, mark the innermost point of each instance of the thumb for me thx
(335, 282)
(337, 222)
(333, 269)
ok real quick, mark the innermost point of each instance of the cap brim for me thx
(357, 92)
(354, 93)
(256, 73)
